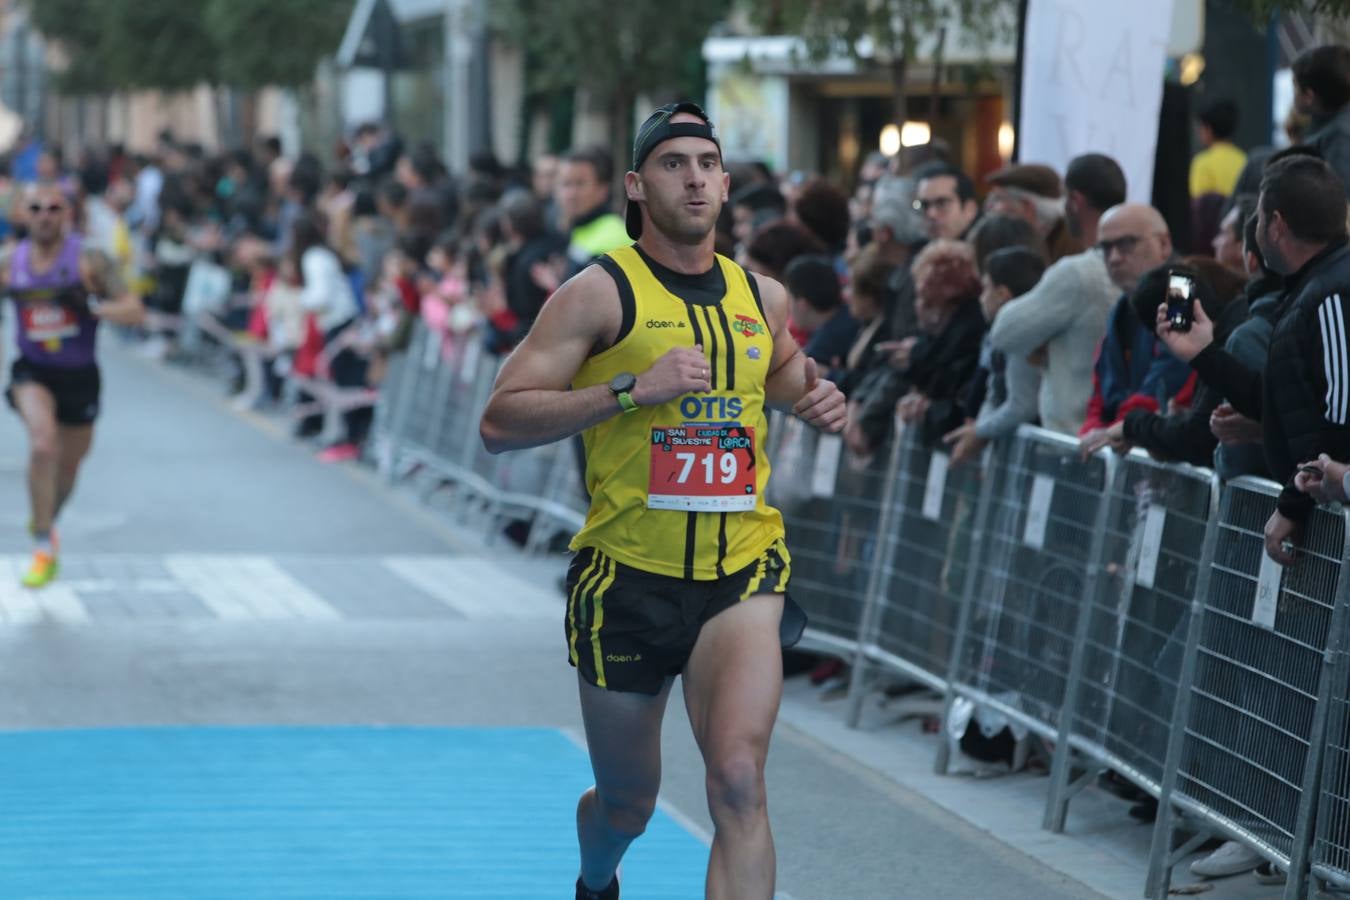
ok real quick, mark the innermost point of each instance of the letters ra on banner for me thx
(1092, 81)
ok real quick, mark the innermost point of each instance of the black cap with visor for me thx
(657, 130)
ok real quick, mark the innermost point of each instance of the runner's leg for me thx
(73, 442)
(37, 408)
(733, 683)
(623, 735)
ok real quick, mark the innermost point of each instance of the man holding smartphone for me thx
(1302, 398)
(61, 291)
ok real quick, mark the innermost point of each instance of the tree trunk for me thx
(936, 92)
(899, 89)
(621, 140)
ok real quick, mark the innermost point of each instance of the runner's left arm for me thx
(101, 279)
(794, 382)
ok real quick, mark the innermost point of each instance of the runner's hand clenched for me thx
(682, 370)
(823, 405)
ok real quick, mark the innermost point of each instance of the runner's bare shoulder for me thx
(586, 304)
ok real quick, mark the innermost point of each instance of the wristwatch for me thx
(621, 386)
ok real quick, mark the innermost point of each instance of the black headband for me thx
(658, 129)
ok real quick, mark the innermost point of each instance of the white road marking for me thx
(474, 587)
(252, 587)
(240, 588)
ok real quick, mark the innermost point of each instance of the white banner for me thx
(1092, 82)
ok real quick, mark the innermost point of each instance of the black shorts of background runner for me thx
(77, 390)
(630, 630)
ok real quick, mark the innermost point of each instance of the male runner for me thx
(671, 353)
(61, 291)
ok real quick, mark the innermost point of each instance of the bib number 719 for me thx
(703, 469)
(726, 463)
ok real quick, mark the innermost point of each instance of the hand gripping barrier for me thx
(1131, 636)
(1246, 744)
(1038, 537)
(921, 569)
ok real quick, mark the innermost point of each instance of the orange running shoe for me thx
(42, 571)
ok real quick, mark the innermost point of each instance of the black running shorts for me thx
(630, 630)
(76, 389)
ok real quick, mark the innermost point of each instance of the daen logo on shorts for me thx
(663, 323)
(623, 657)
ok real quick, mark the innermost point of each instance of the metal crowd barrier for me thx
(1331, 836)
(427, 421)
(1246, 744)
(1014, 643)
(832, 506)
(1131, 636)
(921, 570)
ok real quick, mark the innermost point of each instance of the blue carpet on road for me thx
(309, 812)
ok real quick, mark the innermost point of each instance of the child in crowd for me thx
(817, 307)
(1009, 386)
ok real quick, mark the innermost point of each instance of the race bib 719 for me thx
(703, 468)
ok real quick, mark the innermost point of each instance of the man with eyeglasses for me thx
(61, 291)
(1060, 322)
(946, 199)
(1134, 370)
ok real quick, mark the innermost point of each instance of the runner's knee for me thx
(736, 783)
(627, 817)
(42, 445)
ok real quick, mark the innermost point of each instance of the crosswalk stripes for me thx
(247, 587)
(475, 588)
(254, 587)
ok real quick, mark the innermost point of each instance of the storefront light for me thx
(913, 134)
(1006, 139)
(890, 140)
(1191, 68)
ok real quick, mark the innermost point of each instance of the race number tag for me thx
(703, 468)
(829, 450)
(1038, 512)
(1150, 546)
(48, 325)
(935, 487)
(1267, 599)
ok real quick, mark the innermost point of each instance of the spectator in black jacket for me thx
(1303, 396)
(1181, 435)
(945, 355)
(1239, 451)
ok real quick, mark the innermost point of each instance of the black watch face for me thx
(622, 383)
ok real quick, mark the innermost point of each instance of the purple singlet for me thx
(52, 332)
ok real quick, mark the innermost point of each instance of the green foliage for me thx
(896, 29)
(1261, 10)
(299, 32)
(176, 44)
(606, 47)
(76, 26)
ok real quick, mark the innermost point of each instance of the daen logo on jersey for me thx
(664, 323)
(748, 326)
(712, 409)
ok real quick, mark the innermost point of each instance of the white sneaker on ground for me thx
(1232, 858)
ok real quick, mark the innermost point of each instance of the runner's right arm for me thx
(531, 403)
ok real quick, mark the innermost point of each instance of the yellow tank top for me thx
(678, 489)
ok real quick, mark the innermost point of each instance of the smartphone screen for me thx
(1180, 296)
